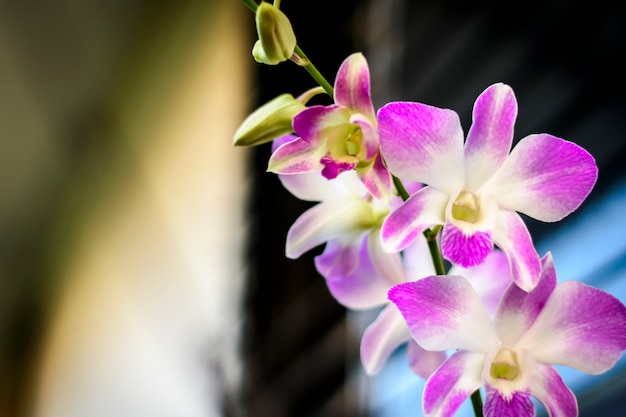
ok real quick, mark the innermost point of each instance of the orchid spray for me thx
(399, 190)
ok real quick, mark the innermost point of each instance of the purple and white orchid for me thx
(359, 273)
(569, 324)
(389, 330)
(357, 270)
(348, 220)
(475, 189)
(339, 137)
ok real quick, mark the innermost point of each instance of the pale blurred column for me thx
(148, 321)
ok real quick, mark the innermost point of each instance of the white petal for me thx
(328, 220)
(313, 186)
(382, 337)
(444, 312)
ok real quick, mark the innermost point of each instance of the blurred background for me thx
(142, 268)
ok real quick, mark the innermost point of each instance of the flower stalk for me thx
(435, 254)
(314, 72)
(251, 5)
(477, 403)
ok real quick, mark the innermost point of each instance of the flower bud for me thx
(270, 121)
(276, 38)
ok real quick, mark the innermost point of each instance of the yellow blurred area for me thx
(133, 289)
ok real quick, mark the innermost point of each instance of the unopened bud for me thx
(270, 121)
(277, 41)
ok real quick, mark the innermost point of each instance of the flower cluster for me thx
(399, 189)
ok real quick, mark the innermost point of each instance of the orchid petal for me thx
(519, 405)
(443, 312)
(388, 265)
(332, 167)
(421, 211)
(545, 178)
(350, 275)
(465, 249)
(318, 124)
(278, 142)
(360, 274)
(312, 186)
(489, 279)
(352, 85)
(549, 389)
(376, 179)
(369, 133)
(422, 143)
(452, 383)
(581, 327)
(381, 338)
(490, 137)
(295, 157)
(423, 362)
(519, 309)
(411, 188)
(341, 257)
(326, 221)
(512, 236)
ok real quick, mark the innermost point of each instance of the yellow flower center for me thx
(504, 365)
(465, 207)
(344, 142)
(353, 142)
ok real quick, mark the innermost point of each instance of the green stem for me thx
(312, 70)
(430, 235)
(433, 247)
(400, 188)
(477, 403)
(435, 254)
(251, 5)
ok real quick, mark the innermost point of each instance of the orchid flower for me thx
(359, 273)
(569, 324)
(475, 190)
(348, 220)
(389, 330)
(339, 137)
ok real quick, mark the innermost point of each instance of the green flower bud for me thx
(270, 121)
(276, 38)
